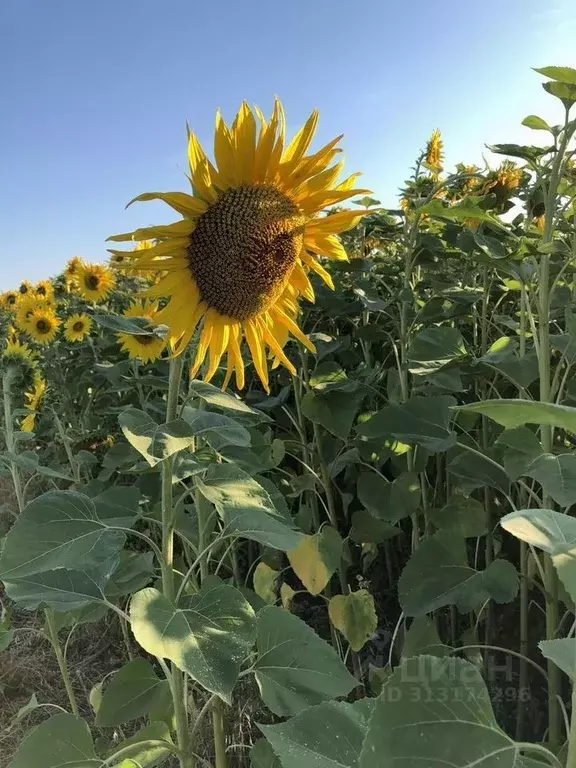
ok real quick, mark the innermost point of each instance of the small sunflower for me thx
(146, 348)
(77, 327)
(34, 399)
(27, 305)
(435, 153)
(25, 287)
(240, 259)
(43, 326)
(9, 300)
(44, 290)
(95, 281)
(18, 352)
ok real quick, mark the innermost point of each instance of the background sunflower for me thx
(94, 281)
(43, 326)
(77, 327)
(144, 347)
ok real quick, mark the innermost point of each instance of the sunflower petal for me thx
(256, 345)
(188, 206)
(182, 228)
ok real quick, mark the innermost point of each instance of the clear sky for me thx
(94, 96)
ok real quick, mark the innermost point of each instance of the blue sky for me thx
(97, 96)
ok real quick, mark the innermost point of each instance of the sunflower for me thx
(25, 287)
(95, 281)
(77, 327)
(18, 352)
(146, 348)
(33, 402)
(239, 260)
(71, 271)
(27, 305)
(43, 325)
(9, 300)
(44, 290)
(435, 153)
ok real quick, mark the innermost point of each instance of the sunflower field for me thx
(300, 470)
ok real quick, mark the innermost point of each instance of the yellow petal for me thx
(224, 153)
(235, 353)
(218, 345)
(203, 344)
(335, 223)
(245, 143)
(202, 182)
(313, 264)
(182, 228)
(265, 148)
(326, 245)
(188, 206)
(301, 142)
(283, 318)
(182, 342)
(322, 181)
(320, 200)
(277, 350)
(255, 343)
(276, 156)
(299, 278)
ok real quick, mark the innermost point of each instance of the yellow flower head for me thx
(43, 326)
(509, 176)
(77, 327)
(145, 347)
(44, 290)
(34, 399)
(9, 300)
(25, 287)
(251, 230)
(435, 153)
(95, 281)
(18, 352)
(71, 269)
(27, 305)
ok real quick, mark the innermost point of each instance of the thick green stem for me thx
(571, 759)
(74, 466)
(179, 693)
(219, 735)
(61, 659)
(9, 437)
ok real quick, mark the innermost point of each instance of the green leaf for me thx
(135, 326)
(326, 736)
(518, 448)
(433, 348)
(316, 558)
(246, 507)
(207, 636)
(436, 712)
(133, 572)
(65, 529)
(390, 501)
(354, 615)
(563, 91)
(262, 756)
(6, 633)
(561, 74)
(155, 442)
(421, 421)
(422, 638)
(133, 692)
(467, 208)
(515, 413)
(265, 581)
(530, 153)
(562, 652)
(225, 401)
(551, 531)
(536, 123)
(461, 515)
(438, 574)
(334, 410)
(217, 429)
(295, 668)
(370, 530)
(143, 754)
(474, 470)
(63, 741)
(557, 476)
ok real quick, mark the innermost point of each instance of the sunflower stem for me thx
(9, 436)
(178, 678)
(61, 659)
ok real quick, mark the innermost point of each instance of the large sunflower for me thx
(77, 327)
(95, 281)
(9, 300)
(144, 347)
(239, 260)
(43, 325)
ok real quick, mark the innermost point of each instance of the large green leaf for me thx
(155, 442)
(225, 401)
(334, 410)
(551, 531)
(390, 501)
(436, 712)
(246, 507)
(63, 741)
(144, 755)
(561, 74)
(421, 421)
(474, 470)
(438, 574)
(65, 529)
(133, 692)
(295, 668)
(556, 475)
(329, 735)
(316, 558)
(262, 755)
(562, 652)
(433, 348)
(462, 515)
(208, 635)
(518, 448)
(367, 529)
(467, 208)
(515, 413)
(217, 429)
(422, 638)
(355, 616)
